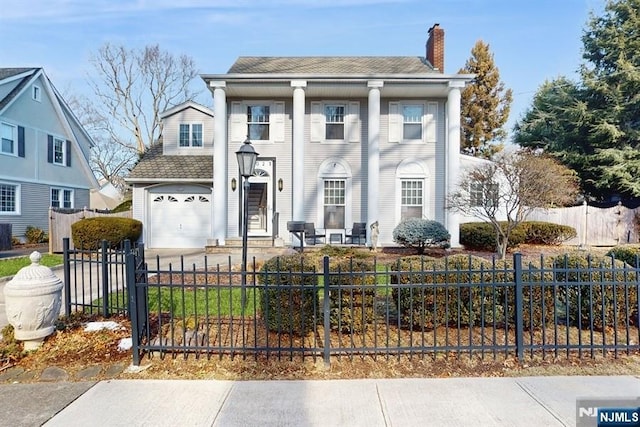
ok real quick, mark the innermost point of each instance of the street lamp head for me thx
(247, 157)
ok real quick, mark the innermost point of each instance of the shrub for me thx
(289, 297)
(591, 290)
(88, 233)
(482, 236)
(446, 302)
(123, 207)
(421, 233)
(35, 235)
(546, 233)
(627, 253)
(352, 306)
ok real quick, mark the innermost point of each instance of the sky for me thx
(531, 40)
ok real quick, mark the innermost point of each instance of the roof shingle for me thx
(331, 65)
(155, 165)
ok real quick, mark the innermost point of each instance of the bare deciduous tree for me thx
(134, 86)
(505, 191)
(109, 160)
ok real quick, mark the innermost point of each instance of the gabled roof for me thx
(184, 106)
(8, 74)
(332, 65)
(156, 167)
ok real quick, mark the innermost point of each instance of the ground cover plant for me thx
(74, 349)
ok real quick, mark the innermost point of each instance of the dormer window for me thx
(36, 93)
(190, 135)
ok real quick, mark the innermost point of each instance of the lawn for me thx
(10, 266)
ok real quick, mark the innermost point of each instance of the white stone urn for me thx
(32, 300)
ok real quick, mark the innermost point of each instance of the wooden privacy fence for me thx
(60, 221)
(594, 226)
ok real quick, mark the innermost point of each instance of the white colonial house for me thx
(341, 140)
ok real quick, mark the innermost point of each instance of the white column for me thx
(373, 160)
(219, 197)
(297, 169)
(453, 157)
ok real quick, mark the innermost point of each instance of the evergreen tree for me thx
(593, 127)
(485, 104)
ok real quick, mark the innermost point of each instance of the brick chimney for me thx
(435, 47)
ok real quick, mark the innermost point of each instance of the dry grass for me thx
(73, 349)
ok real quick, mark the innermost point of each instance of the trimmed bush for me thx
(35, 235)
(482, 236)
(449, 305)
(591, 291)
(352, 306)
(421, 233)
(627, 253)
(546, 233)
(123, 207)
(88, 233)
(289, 297)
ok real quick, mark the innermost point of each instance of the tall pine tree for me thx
(594, 127)
(485, 105)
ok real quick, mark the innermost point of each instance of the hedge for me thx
(88, 233)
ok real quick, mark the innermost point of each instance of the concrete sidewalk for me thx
(523, 401)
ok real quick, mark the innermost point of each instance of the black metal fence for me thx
(495, 309)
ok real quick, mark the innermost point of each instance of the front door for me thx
(260, 201)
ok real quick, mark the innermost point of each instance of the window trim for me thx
(412, 169)
(419, 180)
(16, 202)
(62, 191)
(334, 169)
(351, 121)
(268, 123)
(429, 121)
(36, 93)
(14, 139)
(190, 134)
(63, 144)
(345, 114)
(478, 195)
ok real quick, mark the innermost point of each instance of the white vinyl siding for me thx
(413, 122)
(333, 121)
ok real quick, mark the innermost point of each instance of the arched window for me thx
(334, 194)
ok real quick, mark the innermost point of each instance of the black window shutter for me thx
(50, 149)
(20, 141)
(68, 153)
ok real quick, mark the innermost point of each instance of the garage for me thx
(179, 216)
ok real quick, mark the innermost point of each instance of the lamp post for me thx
(247, 157)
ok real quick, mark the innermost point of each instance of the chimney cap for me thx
(436, 25)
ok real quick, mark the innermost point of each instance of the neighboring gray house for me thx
(340, 140)
(44, 151)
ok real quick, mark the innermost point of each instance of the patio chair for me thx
(358, 232)
(312, 233)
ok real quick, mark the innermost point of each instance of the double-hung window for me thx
(334, 121)
(334, 203)
(258, 122)
(190, 135)
(483, 194)
(8, 136)
(412, 122)
(59, 151)
(411, 198)
(61, 198)
(9, 198)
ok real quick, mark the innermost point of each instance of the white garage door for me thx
(179, 220)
